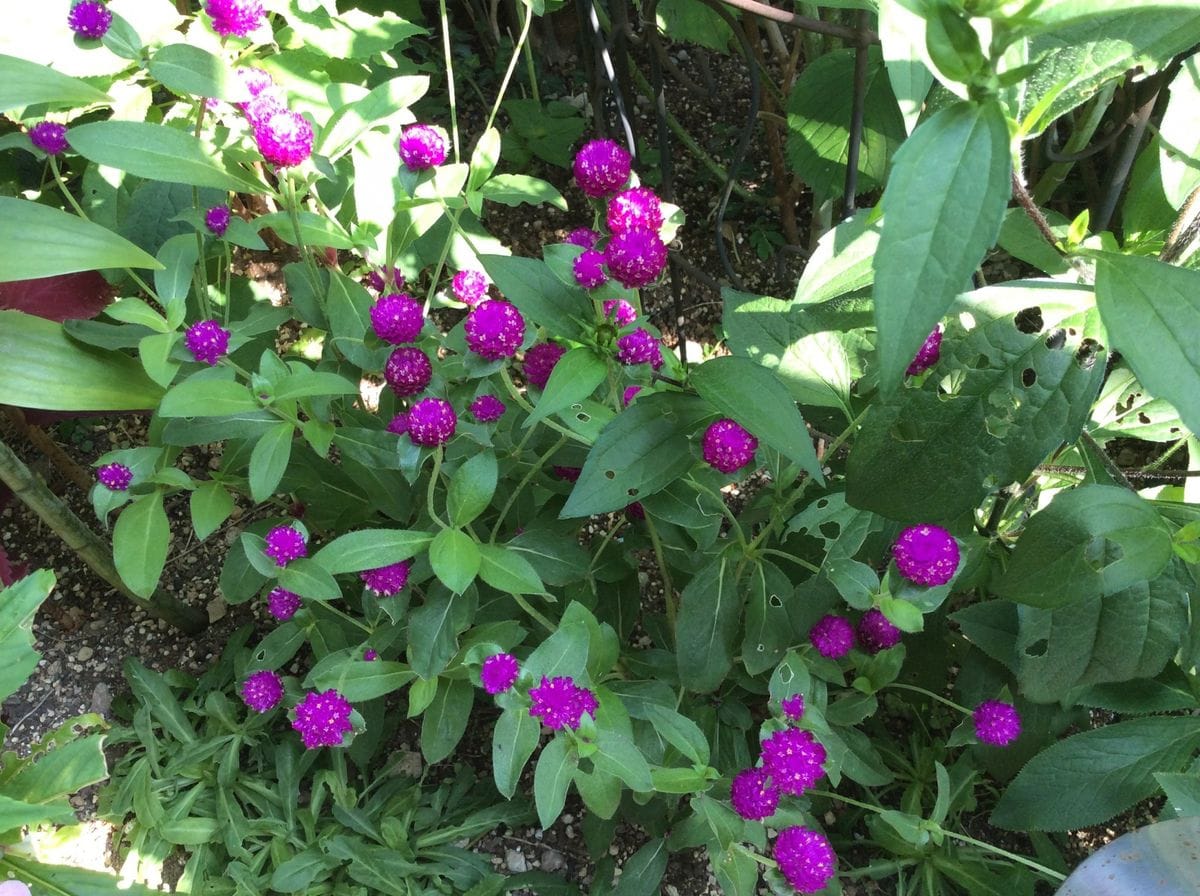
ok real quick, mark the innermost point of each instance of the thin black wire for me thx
(857, 113)
(592, 33)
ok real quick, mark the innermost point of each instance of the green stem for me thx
(608, 536)
(1012, 856)
(348, 618)
(433, 479)
(523, 13)
(534, 612)
(449, 77)
(932, 695)
(291, 198)
(512, 66)
(1164, 457)
(785, 555)
(668, 591)
(525, 480)
(441, 262)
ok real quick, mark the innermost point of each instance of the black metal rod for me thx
(857, 112)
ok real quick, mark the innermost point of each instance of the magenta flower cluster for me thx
(584, 237)
(927, 555)
(636, 256)
(49, 136)
(602, 167)
(996, 723)
(806, 858)
(323, 719)
(832, 636)
(634, 209)
(397, 318)
(792, 762)
(753, 795)
(90, 19)
(431, 422)
(207, 340)
(928, 354)
(469, 286)
(875, 633)
(422, 146)
(262, 691)
(727, 446)
(282, 604)
(386, 581)
(408, 371)
(539, 362)
(284, 137)
(588, 269)
(639, 347)
(216, 219)
(561, 703)
(494, 329)
(487, 408)
(499, 672)
(620, 311)
(115, 477)
(384, 278)
(285, 544)
(235, 17)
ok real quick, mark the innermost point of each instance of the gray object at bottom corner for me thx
(1162, 859)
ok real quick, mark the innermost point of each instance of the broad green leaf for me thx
(207, 398)
(305, 383)
(315, 230)
(66, 879)
(552, 777)
(751, 395)
(158, 152)
(140, 540)
(16, 814)
(269, 460)
(1095, 775)
(351, 34)
(297, 874)
(514, 739)
(40, 241)
(193, 72)
(484, 158)
(178, 257)
(1179, 146)
(348, 122)
(375, 448)
(943, 207)
(18, 604)
(506, 570)
(642, 873)
(541, 297)
(433, 633)
(24, 83)
(60, 772)
(710, 609)
(1091, 541)
(517, 189)
(1149, 309)
(445, 719)
(1125, 408)
(547, 129)
(210, 506)
(471, 488)
(574, 378)
(1183, 794)
(768, 627)
(617, 755)
(566, 651)
(557, 558)
(349, 307)
(136, 311)
(842, 262)
(902, 38)
(455, 559)
(364, 679)
(679, 731)
(371, 549)
(693, 22)
(309, 579)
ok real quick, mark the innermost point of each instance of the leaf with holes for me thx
(710, 608)
(768, 626)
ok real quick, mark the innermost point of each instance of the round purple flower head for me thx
(49, 136)
(494, 329)
(996, 723)
(207, 341)
(636, 257)
(89, 19)
(487, 409)
(398, 424)
(282, 604)
(567, 474)
(928, 354)
(422, 146)
(256, 80)
(638, 207)
(408, 371)
(588, 269)
(216, 219)
(499, 672)
(833, 636)
(806, 858)
(115, 477)
(387, 580)
(285, 544)
(397, 318)
(620, 311)
(469, 287)
(262, 691)
(635, 511)
(431, 422)
(875, 632)
(539, 362)
(628, 395)
(926, 555)
(237, 17)
(793, 759)
(560, 703)
(728, 447)
(583, 237)
(639, 347)
(268, 101)
(793, 707)
(323, 718)
(753, 795)
(370, 654)
(285, 139)
(602, 167)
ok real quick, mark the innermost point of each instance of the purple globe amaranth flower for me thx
(927, 555)
(216, 219)
(115, 476)
(639, 347)
(207, 340)
(256, 80)
(583, 237)
(285, 544)
(639, 207)
(282, 604)
(833, 636)
(267, 102)
(588, 269)
(636, 257)
(398, 424)
(728, 447)
(422, 146)
(628, 395)
(806, 858)
(602, 167)
(560, 703)
(469, 287)
(794, 760)
(262, 691)
(753, 795)
(384, 278)
(635, 511)
(370, 654)
(89, 19)
(499, 672)
(620, 311)
(539, 362)
(408, 371)
(236, 17)
(928, 354)
(996, 723)
(494, 329)
(487, 409)
(386, 581)
(323, 718)
(49, 136)
(875, 632)
(397, 318)
(567, 474)
(431, 422)
(793, 707)
(285, 138)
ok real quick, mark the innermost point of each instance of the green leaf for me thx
(768, 626)
(902, 37)
(540, 296)
(210, 504)
(18, 604)
(455, 559)
(153, 692)
(1095, 775)
(135, 311)
(305, 383)
(207, 398)
(16, 814)
(548, 129)
(158, 152)
(506, 570)
(471, 488)
(309, 579)
(65, 879)
(551, 778)
(371, 549)
(1183, 794)
(433, 632)
(617, 755)
(41, 241)
(364, 680)
(269, 460)
(193, 72)
(566, 651)
(710, 608)
(24, 83)
(842, 262)
(1149, 310)
(751, 395)
(943, 207)
(315, 230)
(574, 378)
(349, 307)
(445, 719)
(140, 540)
(640, 451)
(694, 23)
(62, 771)
(517, 189)
(350, 121)
(642, 872)
(178, 257)
(484, 158)
(1091, 541)
(679, 731)
(1179, 150)
(514, 739)
(297, 874)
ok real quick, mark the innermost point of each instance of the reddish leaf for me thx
(63, 297)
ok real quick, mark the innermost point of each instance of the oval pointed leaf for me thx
(140, 540)
(371, 549)
(40, 241)
(207, 398)
(191, 71)
(513, 741)
(709, 610)
(506, 570)
(455, 559)
(269, 460)
(471, 488)
(25, 83)
(551, 778)
(574, 378)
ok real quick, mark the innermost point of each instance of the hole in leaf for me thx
(1086, 356)
(823, 503)
(1028, 377)
(1057, 339)
(610, 474)
(1029, 320)
(633, 492)
(577, 407)
(786, 674)
(1142, 418)
(583, 418)
(1174, 429)
(830, 529)
(1037, 648)
(981, 363)
(1100, 553)
(774, 600)
(761, 648)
